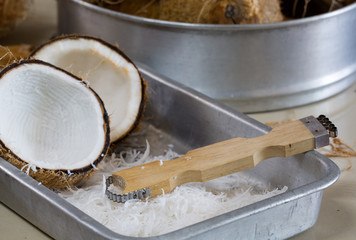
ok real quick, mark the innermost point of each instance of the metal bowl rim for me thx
(215, 27)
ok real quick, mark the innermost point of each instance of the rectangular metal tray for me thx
(187, 119)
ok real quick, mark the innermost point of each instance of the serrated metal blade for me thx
(121, 198)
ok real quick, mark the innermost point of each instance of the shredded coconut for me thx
(186, 205)
(93, 165)
(29, 166)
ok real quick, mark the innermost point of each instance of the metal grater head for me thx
(121, 198)
(329, 126)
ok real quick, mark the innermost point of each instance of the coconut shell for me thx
(135, 126)
(57, 178)
(204, 11)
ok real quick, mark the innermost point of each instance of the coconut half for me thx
(51, 124)
(108, 71)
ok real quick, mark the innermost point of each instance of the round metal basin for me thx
(257, 67)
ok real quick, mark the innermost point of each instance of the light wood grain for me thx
(218, 159)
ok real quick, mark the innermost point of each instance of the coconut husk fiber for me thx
(11, 12)
(202, 11)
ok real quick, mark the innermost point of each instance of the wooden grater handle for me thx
(223, 158)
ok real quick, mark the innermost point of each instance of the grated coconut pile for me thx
(186, 205)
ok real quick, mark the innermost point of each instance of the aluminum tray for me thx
(187, 119)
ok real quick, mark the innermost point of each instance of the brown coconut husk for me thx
(49, 178)
(296, 9)
(11, 13)
(203, 11)
(14, 53)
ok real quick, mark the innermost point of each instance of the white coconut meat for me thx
(107, 70)
(50, 119)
